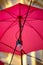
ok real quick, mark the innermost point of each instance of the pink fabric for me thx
(32, 35)
(1, 63)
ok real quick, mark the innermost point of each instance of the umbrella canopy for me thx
(32, 34)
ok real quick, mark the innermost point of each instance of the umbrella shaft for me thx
(21, 58)
(20, 26)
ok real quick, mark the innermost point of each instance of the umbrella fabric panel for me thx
(37, 26)
(35, 13)
(32, 40)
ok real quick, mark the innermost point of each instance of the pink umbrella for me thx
(14, 35)
(1, 63)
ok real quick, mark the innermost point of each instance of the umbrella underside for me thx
(32, 34)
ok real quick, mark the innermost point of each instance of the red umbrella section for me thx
(1, 63)
(32, 32)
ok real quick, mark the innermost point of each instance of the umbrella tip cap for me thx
(20, 3)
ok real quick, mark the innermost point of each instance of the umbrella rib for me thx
(36, 31)
(35, 19)
(31, 56)
(5, 20)
(34, 57)
(9, 13)
(7, 29)
(7, 45)
(19, 10)
(13, 54)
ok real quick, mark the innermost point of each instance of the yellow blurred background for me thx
(8, 3)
